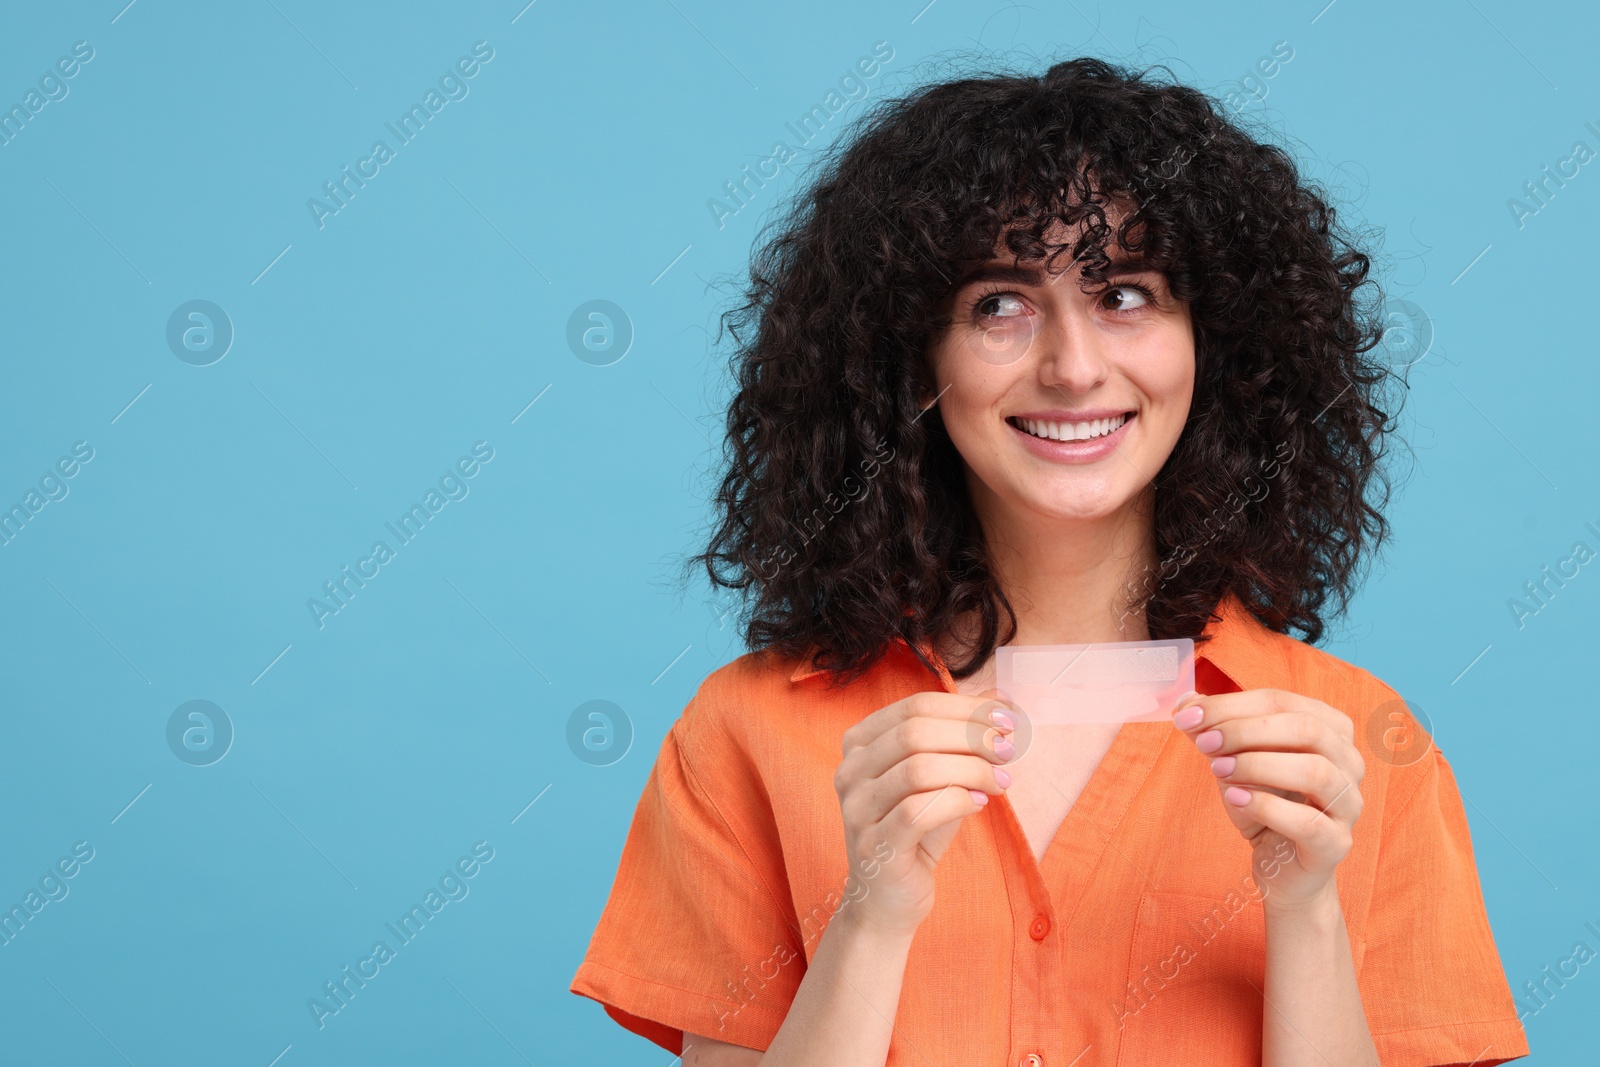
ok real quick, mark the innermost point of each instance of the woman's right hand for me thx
(911, 772)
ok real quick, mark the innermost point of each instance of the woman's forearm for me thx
(843, 1013)
(1313, 1015)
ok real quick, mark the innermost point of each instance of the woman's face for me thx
(1062, 403)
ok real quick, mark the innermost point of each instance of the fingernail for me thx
(1236, 796)
(1223, 766)
(979, 797)
(1002, 720)
(1190, 695)
(1001, 776)
(1188, 718)
(1003, 747)
(1209, 741)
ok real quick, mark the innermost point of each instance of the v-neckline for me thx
(1079, 844)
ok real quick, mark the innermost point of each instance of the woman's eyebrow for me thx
(1135, 265)
(1001, 272)
(1019, 275)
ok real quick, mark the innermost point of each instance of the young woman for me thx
(1051, 360)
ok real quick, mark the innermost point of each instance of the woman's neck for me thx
(1077, 584)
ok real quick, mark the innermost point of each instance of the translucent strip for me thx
(1114, 681)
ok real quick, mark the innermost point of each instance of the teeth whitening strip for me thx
(1112, 681)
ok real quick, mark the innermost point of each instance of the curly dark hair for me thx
(845, 299)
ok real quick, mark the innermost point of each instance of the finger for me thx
(924, 734)
(1318, 779)
(1320, 839)
(1292, 731)
(921, 772)
(916, 816)
(1251, 703)
(956, 706)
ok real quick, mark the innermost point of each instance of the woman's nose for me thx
(1070, 354)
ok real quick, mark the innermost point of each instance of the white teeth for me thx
(1072, 431)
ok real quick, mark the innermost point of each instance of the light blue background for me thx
(431, 310)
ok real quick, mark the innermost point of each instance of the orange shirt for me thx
(1138, 940)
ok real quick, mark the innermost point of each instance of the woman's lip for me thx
(1086, 451)
(1073, 415)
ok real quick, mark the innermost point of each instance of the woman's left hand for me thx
(1289, 776)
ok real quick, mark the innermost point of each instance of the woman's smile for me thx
(1083, 440)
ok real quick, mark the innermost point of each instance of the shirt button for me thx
(1032, 1059)
(1040, 927)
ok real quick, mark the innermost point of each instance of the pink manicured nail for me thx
(1001, 776)
(1188, 718)
(1003, 747)
(1209, 741)
(1223, 766)
(979, 797)
(1002, 720)
(1236, 796)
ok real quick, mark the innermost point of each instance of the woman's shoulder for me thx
(1256, 656)
(1389, 731)
(755, 683)
(1319, 671)
(767, 705)
(768, 682)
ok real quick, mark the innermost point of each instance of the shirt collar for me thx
(1239, 646)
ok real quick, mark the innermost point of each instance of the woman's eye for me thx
(992, 306)
(1127, 298)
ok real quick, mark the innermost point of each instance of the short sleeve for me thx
(1431, 979)
(693, 937)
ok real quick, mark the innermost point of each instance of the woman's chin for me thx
(1080, 509)
(1083, 500)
